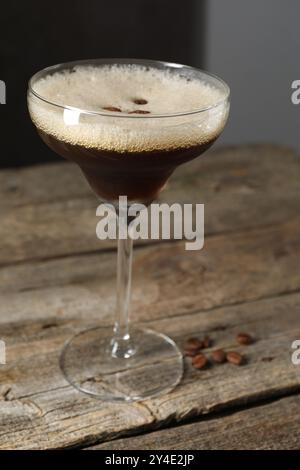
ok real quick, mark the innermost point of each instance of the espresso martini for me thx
(127, 126)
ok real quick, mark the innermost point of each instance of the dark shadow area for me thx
(37, 34)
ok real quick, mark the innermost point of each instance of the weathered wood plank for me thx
(40, 411)
(55, 216)
(274, 426)
(232, 268)
(41, 184)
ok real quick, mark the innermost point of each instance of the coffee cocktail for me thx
(128, 150)
(128, 124)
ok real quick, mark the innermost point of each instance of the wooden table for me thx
(57, 278)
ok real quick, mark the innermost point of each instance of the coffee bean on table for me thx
(200, 361)
(234, 358)
(244, 338)
(191, 352)
(218, 356)
(192, 345)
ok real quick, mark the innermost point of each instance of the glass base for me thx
(153, 367)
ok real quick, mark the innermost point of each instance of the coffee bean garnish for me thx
(234, 358)
(200, 361)
(244, 338)
(218, 356)
(207, 341)
(140, 101)
(112, 108)
(139, 111)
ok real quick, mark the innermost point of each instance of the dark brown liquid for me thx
(138, 175)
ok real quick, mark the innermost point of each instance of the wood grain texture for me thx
(56, 279)
(274, 426)
(39, 410)
(232, 268)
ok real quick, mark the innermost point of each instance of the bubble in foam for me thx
(128, 91)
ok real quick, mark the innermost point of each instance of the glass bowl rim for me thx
(120, 61)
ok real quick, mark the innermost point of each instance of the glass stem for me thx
(122, 346)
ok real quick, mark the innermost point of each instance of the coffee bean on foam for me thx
(114, 109)
(140, 101)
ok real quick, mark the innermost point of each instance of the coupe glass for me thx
(125, 363)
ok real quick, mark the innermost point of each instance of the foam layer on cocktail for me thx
(137, 93)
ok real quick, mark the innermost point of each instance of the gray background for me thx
(255, 47)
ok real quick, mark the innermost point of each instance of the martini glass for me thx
(124, 363)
